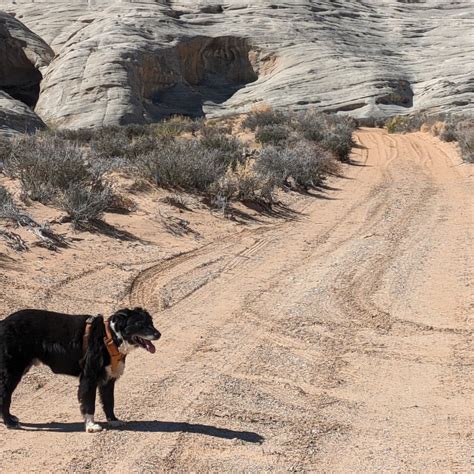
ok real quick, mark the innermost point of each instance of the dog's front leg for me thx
(86, 395)
(107, 397)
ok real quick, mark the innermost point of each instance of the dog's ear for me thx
(120, 320)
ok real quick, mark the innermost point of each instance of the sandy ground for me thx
(335, 339)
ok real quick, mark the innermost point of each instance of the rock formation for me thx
(22, 54)
(127, 61)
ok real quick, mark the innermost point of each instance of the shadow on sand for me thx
(154, 427)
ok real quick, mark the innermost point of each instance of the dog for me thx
(83, 346)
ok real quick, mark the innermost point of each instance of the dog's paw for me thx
(116, 423)
(93, 428)
(12, 423)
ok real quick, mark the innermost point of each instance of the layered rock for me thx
(22, 54)
(17, 117)
(120, 62)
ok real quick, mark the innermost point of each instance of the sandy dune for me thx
(336, 341)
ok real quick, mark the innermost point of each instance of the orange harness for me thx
(115, 355)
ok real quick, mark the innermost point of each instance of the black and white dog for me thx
(79, 345)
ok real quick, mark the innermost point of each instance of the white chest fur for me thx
(117, 373)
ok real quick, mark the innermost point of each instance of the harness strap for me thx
(87, 332)
(115, 356)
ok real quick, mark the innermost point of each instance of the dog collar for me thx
(115, 355)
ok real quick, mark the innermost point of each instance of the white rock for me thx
(120, 62)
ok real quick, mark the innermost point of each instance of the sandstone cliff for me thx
(118, 62)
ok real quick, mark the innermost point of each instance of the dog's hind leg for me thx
(86, 395)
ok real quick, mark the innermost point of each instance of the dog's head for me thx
(134, 328)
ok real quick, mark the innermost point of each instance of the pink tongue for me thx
(149, 346)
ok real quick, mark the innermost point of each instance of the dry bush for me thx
(305, 164)
(85, 203)
(264, 116)
(5, 149)
(45, 167)
(272, 134)
(333, 132)
(241, 183)
(176, 126)
(409, 123)
(8, 209)
(183, 164)
(230, 148)
(80, 136)
(465, 139)
(55, 171)
(109, 142)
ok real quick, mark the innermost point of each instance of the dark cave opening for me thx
(197, 72)
(19, 78)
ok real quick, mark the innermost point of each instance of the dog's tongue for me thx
(149, 346)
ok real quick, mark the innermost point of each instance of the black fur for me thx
(56, 340)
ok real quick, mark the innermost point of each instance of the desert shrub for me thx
(241, 183)
(80, 136)
(262, 117)
(333, 132)
(109, 142)
(141, 145)
(338, 136)
(306, 164)
(84, 203)
(310, 124)
(272, 134)
(176, 126)
(408, 123)
(5, 149)
(338, 139)
(465, 138)
(8, 209)
(447, 131)
(230, 148)
(211, 126)
(184, 164)
(57, 172)
(397, 124)
(47, 168)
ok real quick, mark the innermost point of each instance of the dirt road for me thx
(338, 341)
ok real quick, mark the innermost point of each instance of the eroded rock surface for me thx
(22, 54)
(17, 117)
(120, 62)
